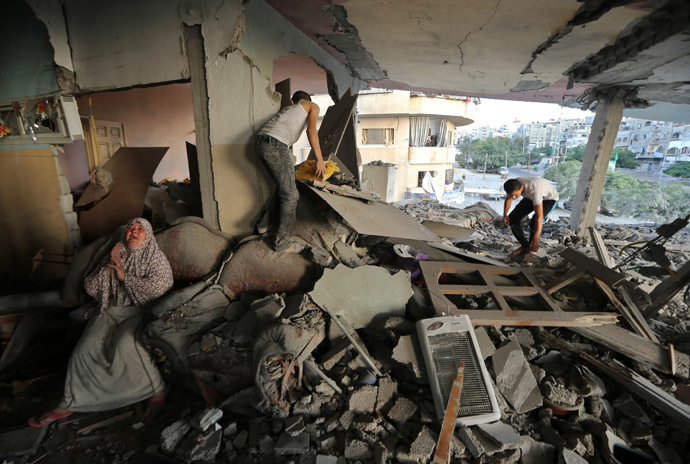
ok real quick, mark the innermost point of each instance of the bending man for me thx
(272, 145)
(538, 195)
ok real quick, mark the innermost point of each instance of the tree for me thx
(626, 158)
(565, 175)
(545, 150)
(679, 169)
(576, 154)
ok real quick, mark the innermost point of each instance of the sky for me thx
(495, 113)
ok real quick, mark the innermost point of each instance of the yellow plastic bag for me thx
(305, 170)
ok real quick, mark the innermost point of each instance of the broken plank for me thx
(630, 310)
(535, 318)
(667, 289)
(344, 190)
(105, 423)
(566, 279)
(611, 278)
(620, 307)
(644, 389)
(442, 453)
(629, 344)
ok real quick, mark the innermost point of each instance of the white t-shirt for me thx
(538, 189)
(287, 125)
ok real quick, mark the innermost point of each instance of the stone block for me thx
(501, 434)
(423, 446)
(200, 447)
(288, 445)
(323, 459)
(294, 425)
(363, 399)
(235, 311)
(240, 440)
(473, 444)
(402, 411)
(268, 309)
(570, 457)
(514, 378)
(357, 449)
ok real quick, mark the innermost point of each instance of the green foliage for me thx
(626, 158)
(545, 150)
(565, 175)
(679, 169)
(576, 154)
(494, 151)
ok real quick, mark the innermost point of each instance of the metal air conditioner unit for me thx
(445, 342)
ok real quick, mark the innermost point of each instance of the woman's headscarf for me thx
(147, 273)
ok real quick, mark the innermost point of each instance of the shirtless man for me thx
(538, 195)
(273, 142)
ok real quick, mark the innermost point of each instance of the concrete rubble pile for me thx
(313, 358)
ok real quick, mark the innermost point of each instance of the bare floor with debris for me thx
(316, 358)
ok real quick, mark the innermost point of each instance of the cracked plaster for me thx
(464, 35)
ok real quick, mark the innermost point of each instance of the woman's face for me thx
(135, 235)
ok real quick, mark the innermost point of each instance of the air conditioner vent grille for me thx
(447, 351)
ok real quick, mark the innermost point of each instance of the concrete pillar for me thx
(590, 185)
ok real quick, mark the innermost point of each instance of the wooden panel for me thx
(506, 315)
(598, 270)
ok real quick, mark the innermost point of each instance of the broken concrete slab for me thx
(363, 294)
(408, 352)
(244, 330)
(200, 447)
(363, 399)
(423, 446)
(294, 425)
(206, 418)
(172, 435)
(288, 444)
(570, 457)
(536, 452)
(473, 444)
(402, 411)
(502, 435)
(486, 346)
(388, 388)
(357, 449)
(514, 378)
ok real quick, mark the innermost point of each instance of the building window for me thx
(449, 176)
(420, 178)
(378, 137)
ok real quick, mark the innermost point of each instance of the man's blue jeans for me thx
(277, 159)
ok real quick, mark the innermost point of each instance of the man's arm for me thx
(313, 135)
(506, 207)
(538, 222)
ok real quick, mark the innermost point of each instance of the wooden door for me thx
(103, 140)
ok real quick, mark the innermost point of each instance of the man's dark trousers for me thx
(520, 212)
(276, 156)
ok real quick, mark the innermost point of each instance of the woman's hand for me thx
(116, 262)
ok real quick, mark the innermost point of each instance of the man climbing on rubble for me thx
(538, 195)
(272, 145)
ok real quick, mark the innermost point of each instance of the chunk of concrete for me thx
(407, 352)
(294, 425)
(514, 378)
(502, 435)
(536, 452)
(324, 459)
(240, 440)
(172, 435)
(388, 388)
(288, 444)
(363, 294)
(423, 446)
(363, 399)
(21, 442)
(200, 447)
(522, 336)
(331, 357)
(473, 444)
(402, 411)
(206, 419)
(235, 311)
(486, 346)
(627, 406)
(357, 449)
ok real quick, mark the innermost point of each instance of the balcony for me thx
(431, 155)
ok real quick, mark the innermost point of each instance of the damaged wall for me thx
(26, 54)
(239, 70)
(34, 217)
(159, 116)
(125, 43)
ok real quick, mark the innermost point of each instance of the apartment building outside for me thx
(412, 132)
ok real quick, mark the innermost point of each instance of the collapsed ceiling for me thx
(528, 50)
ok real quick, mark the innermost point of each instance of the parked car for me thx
(503, 171)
